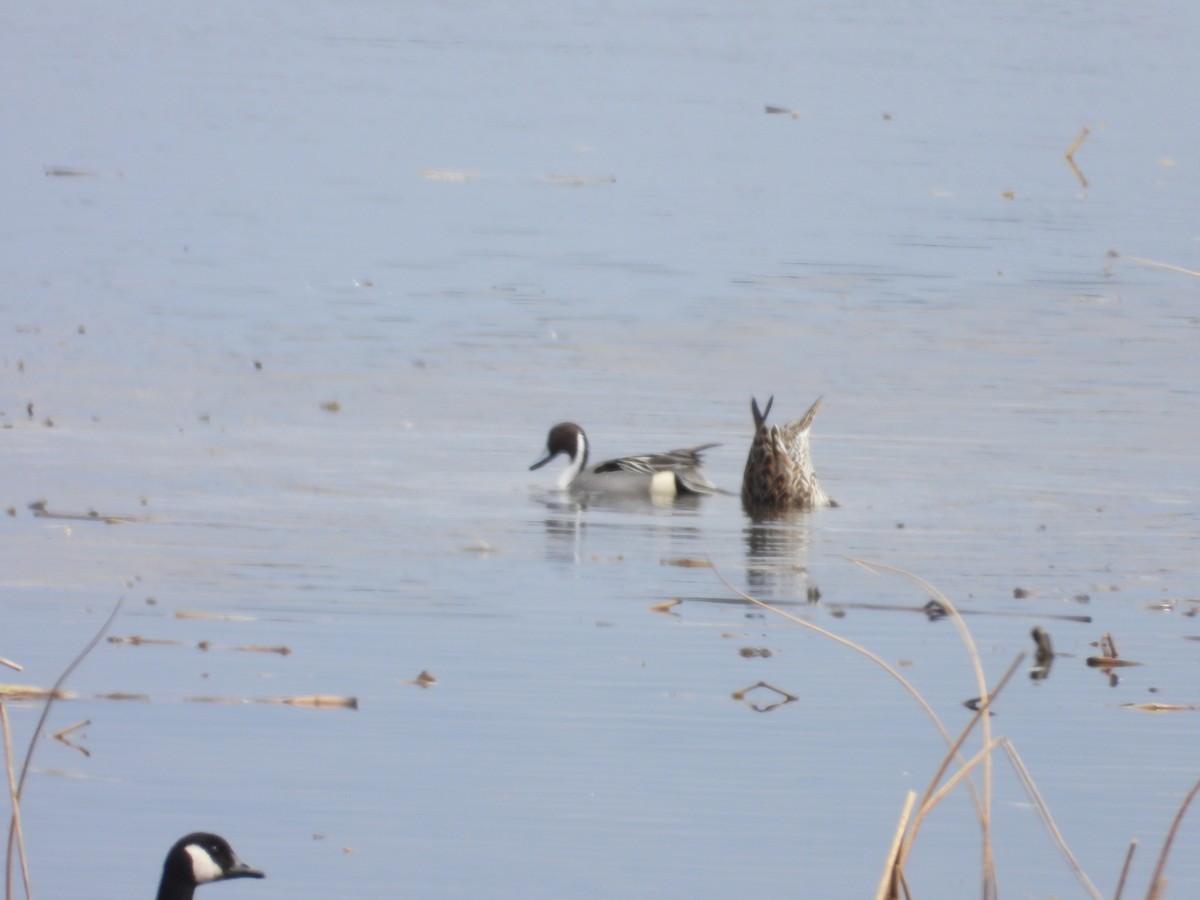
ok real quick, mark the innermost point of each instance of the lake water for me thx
(330, 271)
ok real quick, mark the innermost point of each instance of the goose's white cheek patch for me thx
(204, 869)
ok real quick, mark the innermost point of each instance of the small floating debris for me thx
(1162, 707)
(685, 562)
(136, 640)
(72, 172)
(122, 695)
(667, 605)
(331, 406)
(316, 701)
(1020, 593)
(63, 737)
(786, 697)
(1070, 154)
(215, 700)
(580, 180)
(259, 648)
(753, 652)
(450, 176)
(424, 680)
(781, 111)
(212, 617)
(1110, 662)
(974, 704)
(1109, 659)
(935, 610)
(12, 665)
(479, 546)
(1044, 654)
(41, 512)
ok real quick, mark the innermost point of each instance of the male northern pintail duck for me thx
(657, 474)
(198, 859)
(779, 473)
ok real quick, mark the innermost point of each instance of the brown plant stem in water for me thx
(41, 723)
(1157, 883)
(889, 870)
(1125, 869)
(12, 794)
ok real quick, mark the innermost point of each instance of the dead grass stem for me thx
(14, 823)
(894, 882)
(1158, 883)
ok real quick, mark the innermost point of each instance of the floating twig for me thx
(61, 736)
(1070, 154)
(40, 511)
(259, 648)
(1155, 264)
(787, 698)
(318, 701)
(935, 611)
(687, 562)
(136, 640)
(212, 617)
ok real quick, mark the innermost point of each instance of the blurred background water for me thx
(299, 288)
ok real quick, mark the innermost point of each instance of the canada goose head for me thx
(197, 859)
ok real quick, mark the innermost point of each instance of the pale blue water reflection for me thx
(339, 267)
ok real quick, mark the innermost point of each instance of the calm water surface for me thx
(333, 270)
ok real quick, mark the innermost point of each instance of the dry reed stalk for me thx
(930, 800)
(16, 806)
(1158, 883)
(857, 648)
(889, 870)
(981, 808)
(1034, 795)
(1048, 820)
(989, 868)
(1125, 869)
(894, 879)
(41, 724)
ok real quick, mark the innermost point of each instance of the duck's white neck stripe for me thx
(578, 460)
(204, 868)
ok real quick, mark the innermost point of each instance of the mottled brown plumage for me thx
(779, 475)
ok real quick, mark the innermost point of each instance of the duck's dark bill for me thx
(546, 457)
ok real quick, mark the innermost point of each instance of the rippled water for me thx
(331, 272)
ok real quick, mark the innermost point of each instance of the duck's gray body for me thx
(649, 474)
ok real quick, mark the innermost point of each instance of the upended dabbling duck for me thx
(654, 474)
(779, 473)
